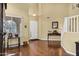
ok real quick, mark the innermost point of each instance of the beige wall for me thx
(56, 11)
(21, 11)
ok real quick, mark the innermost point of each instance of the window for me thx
(11, 24)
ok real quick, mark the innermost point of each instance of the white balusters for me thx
(74, 24)
(65, 26)
(71, 24)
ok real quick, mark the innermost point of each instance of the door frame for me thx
(37, 29)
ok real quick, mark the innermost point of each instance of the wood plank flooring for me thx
(39, 48)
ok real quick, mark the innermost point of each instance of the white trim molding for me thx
(67, 50)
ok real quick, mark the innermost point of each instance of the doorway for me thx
(33, 30)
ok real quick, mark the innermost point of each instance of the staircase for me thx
(70, 34)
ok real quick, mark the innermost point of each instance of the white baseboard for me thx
(67, 50)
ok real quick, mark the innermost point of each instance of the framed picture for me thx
(55, 25)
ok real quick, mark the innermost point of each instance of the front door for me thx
(33, 29)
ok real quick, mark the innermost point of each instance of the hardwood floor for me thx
(39, 48)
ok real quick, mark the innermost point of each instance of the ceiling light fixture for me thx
(34, 14)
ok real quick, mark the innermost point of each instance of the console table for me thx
(52, 34)
(17, 38)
